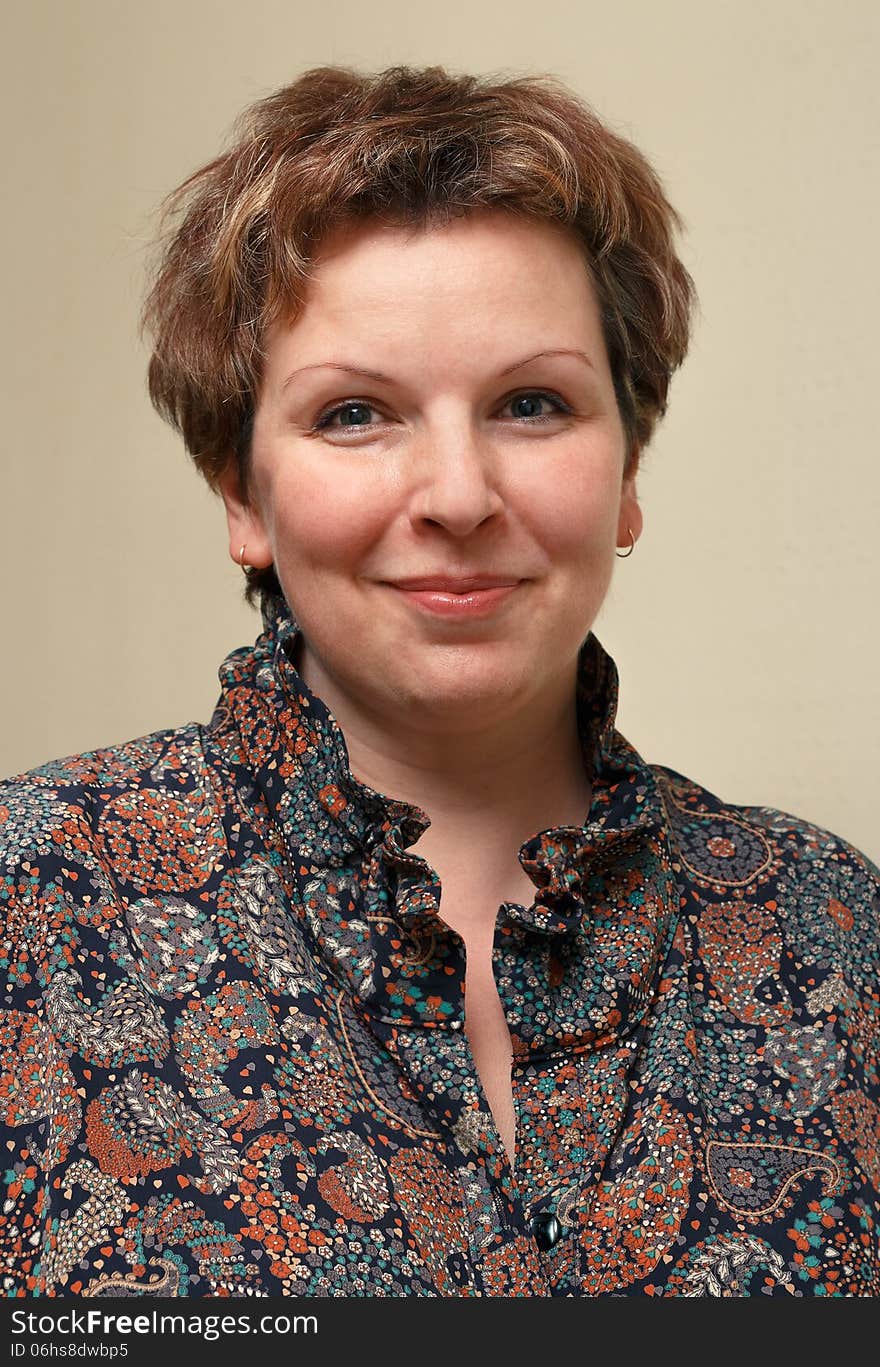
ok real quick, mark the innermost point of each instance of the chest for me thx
(489, 1040)
(485, 1022)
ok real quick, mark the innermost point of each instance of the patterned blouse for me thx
(233, 1055)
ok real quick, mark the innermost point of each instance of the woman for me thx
(407, 975)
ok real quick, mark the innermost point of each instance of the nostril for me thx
(459, 501)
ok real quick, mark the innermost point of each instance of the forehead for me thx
(474, 277)
(485, 237)
(474, 226)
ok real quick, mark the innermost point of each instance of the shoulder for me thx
(37, 807)
(690, 806)
(824, 891)
(80, 835)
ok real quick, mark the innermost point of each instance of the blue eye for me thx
(362, 406)
(356, 405)
(530, 396)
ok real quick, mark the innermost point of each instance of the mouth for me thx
(474, 597)
(464, 583)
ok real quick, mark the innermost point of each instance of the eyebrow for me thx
(386, 379)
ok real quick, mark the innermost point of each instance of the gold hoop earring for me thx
(241, 563)
(623, 555)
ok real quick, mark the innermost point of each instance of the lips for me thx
(434, 583)
(461, 598)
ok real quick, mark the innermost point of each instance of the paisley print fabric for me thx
(233, 1056)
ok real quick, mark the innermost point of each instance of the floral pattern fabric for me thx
(233, 1054)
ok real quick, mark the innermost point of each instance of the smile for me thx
(469, 603)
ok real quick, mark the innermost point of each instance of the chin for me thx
(460, 682)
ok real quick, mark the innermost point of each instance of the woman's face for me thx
(441, 409)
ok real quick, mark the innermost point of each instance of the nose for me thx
(457, 484)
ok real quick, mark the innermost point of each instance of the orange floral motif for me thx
(161, 843)
(741, 946)
(841, 914)
(429, 1197)
(634, 1217)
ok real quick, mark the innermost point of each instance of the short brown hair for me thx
(411, 147)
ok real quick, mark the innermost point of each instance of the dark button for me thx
(546, 1229)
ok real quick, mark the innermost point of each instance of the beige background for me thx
(745, 625)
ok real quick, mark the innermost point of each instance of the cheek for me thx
(577, 512)
(325, 522)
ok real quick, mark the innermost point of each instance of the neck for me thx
(505, 776)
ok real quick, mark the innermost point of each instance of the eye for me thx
(358, 407)
(354, 412)
(530, 398)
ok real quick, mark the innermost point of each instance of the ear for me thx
(630, 517)
(244, 521)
